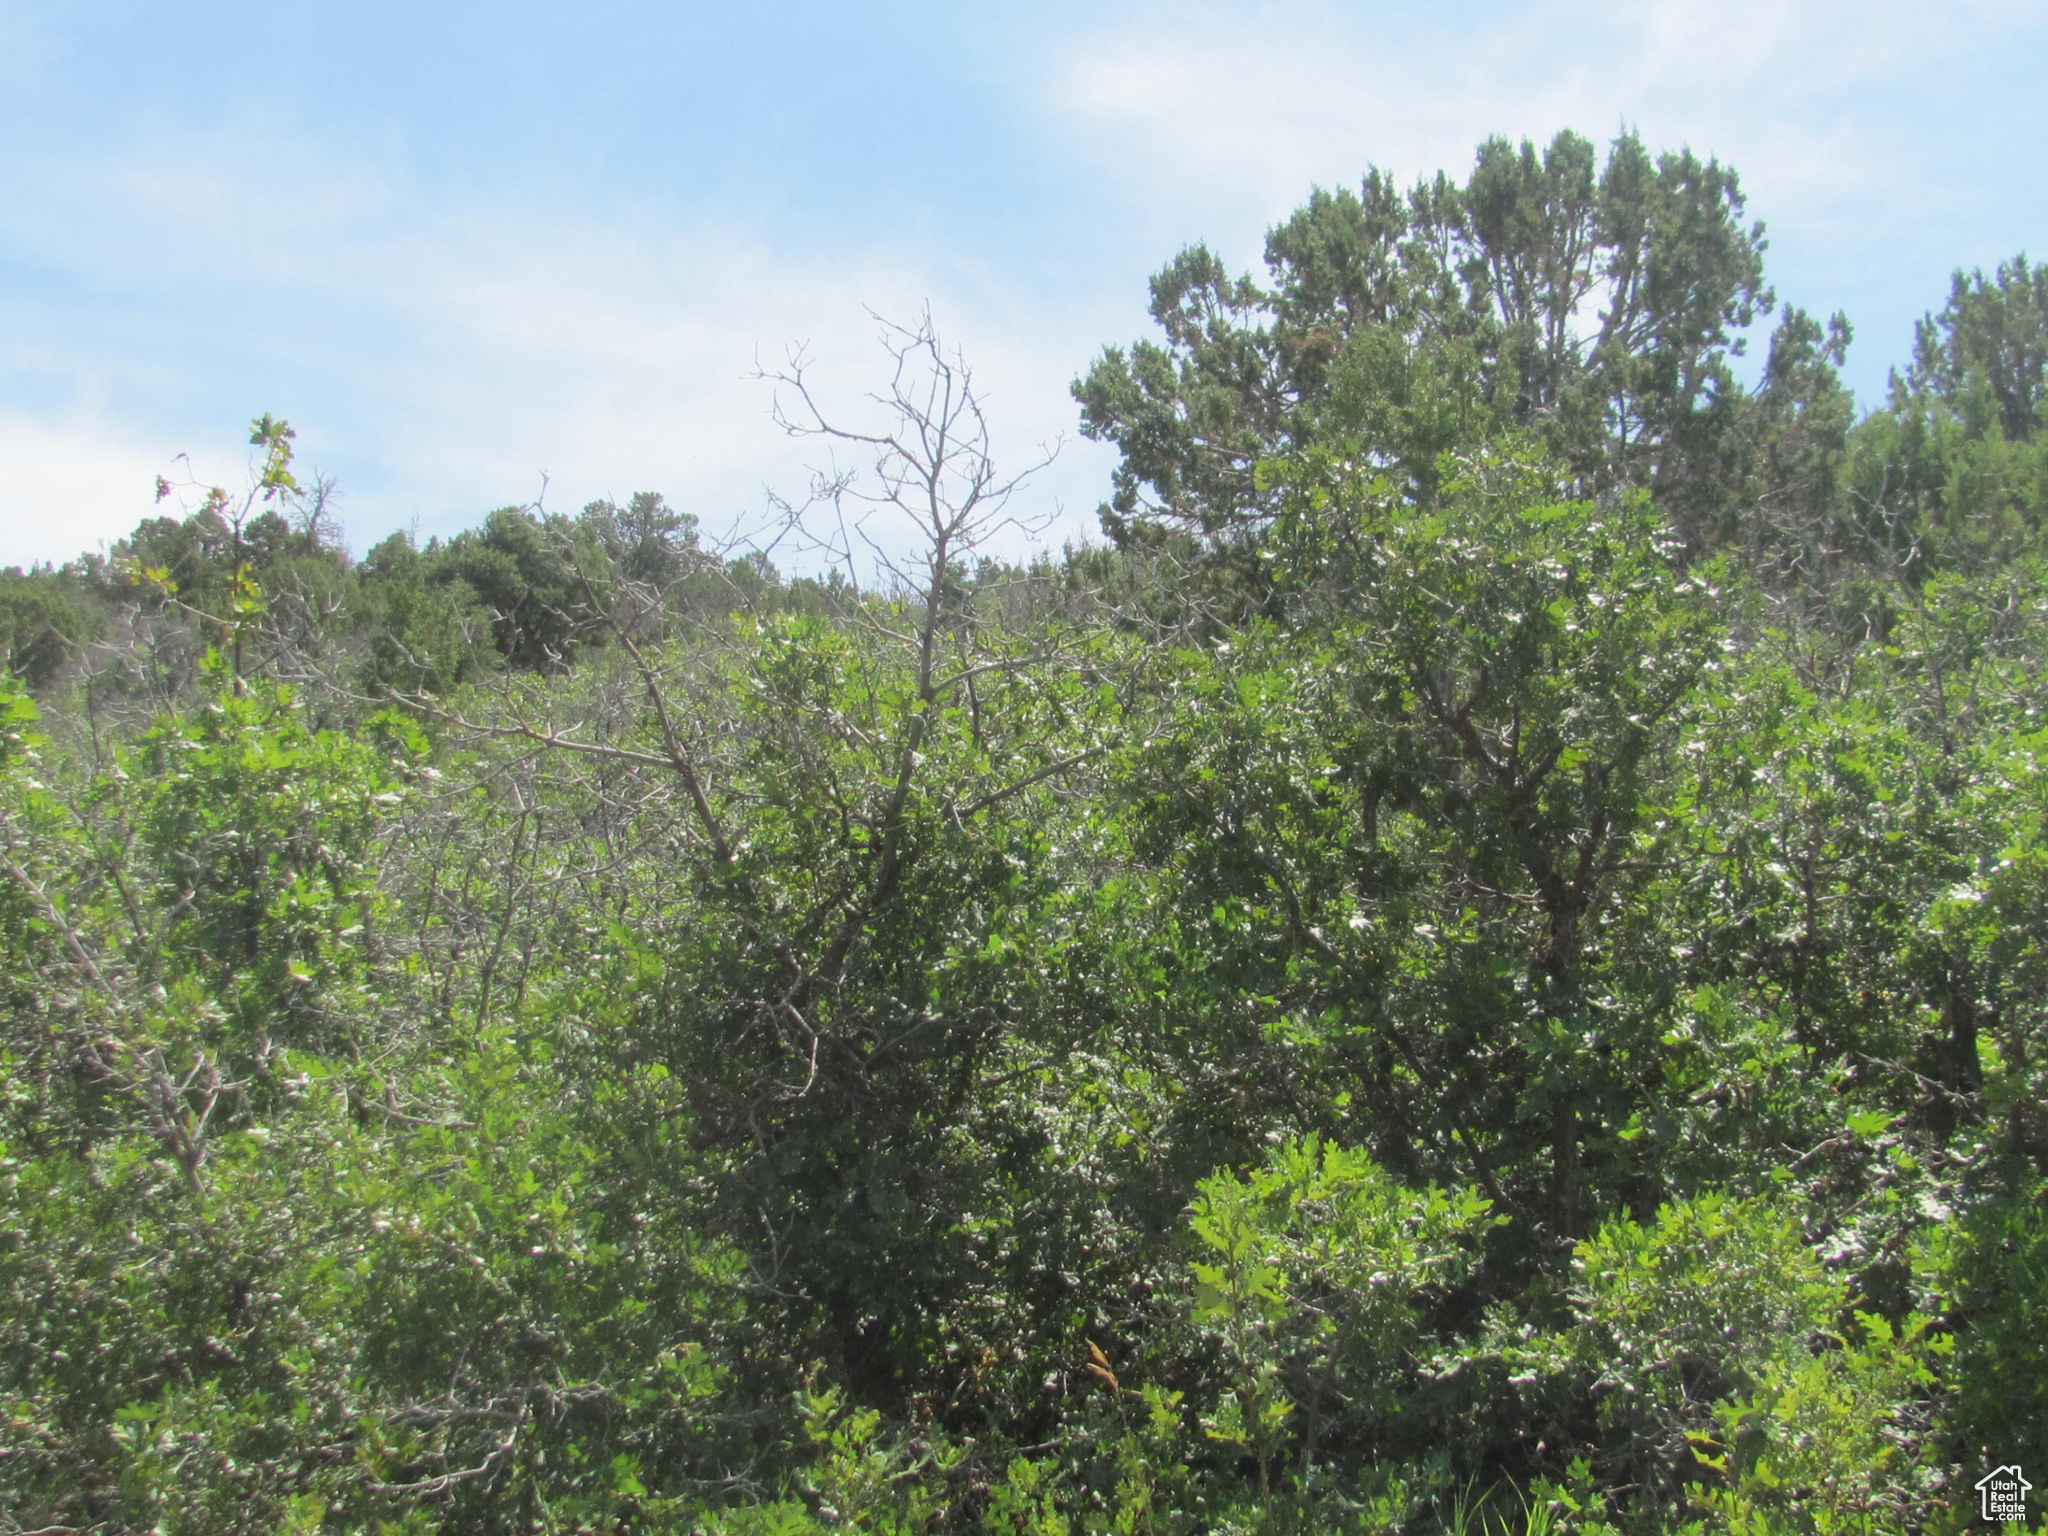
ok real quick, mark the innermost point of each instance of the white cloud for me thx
(1869, 134)
(616, 362)
(445, 358)
(71, 485)
(1241, 109)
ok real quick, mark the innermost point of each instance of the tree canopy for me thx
(1593, 306)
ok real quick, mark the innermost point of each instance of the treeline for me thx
(1482, 965)
(509, 594)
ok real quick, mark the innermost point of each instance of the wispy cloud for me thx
(474, 349)
(73, 484)
(1859, 129)
(1244, 104)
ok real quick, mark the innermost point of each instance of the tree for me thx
(863, 944)
(1798, 423)
(1419, 807)
(647, 541)
(428, 631)
(520, 567)
(1952, 473)
(1591, 307)
(1993, 333)
(257, 573)
(45, 621)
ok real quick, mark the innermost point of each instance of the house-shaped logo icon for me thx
(2004, 1492)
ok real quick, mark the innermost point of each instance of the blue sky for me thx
(462, 247)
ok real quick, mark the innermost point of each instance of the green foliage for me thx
(2002, 1291)
(522, 568)
(1951, 474)
(1319, 1270)
(1423, 809)
(425, 634)
(1022, 1504)
(259, 828)
(1689, 1310)
(1836, 1441)
(1992, 334)
(865, 1479)
(1408, 326)
(1484, 971)
(44, 624)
